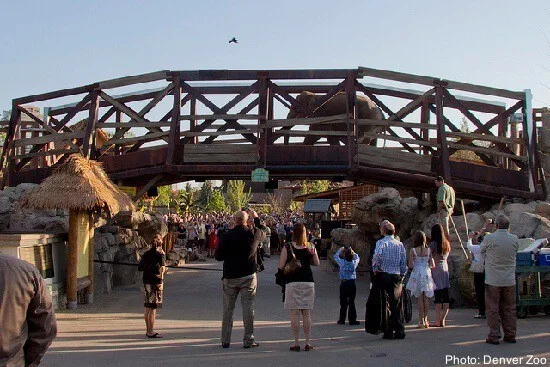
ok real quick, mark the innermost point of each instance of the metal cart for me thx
(531, 303)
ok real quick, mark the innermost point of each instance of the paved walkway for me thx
(112, 332)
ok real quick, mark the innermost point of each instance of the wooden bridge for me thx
(218, 124)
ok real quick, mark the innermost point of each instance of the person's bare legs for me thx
(444, 313)
(295, 325)
(426, 309)
(438, 307)
(147, 323)
(307, 324)
(420, 301)
(150, 314)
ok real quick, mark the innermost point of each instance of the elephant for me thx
(366, 109)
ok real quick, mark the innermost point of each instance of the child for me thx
(421, 283)
(347, 273)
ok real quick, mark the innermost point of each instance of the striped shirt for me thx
(347, 268)
(389, 256)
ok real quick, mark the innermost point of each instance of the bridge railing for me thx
(237, 118)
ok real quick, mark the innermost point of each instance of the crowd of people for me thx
(201, 233)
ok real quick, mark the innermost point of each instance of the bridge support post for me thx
(88, 145)
(174, 142)
(443, 149)
(262, 119)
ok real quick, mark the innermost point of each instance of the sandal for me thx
(421, 325)
(154, 336)
(295, 348)
(308, 347)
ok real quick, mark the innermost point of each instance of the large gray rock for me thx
(509, 209)
(5, 205)
(386, 204)
(543, 229)
(152, 226)
(524, 224)
(543, 209)
(359, 241)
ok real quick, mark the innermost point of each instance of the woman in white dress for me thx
(421, 283)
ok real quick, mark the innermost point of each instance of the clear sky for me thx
(48, 45)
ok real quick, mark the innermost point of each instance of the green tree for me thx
(185, 201)
(237, 197)
(217, 202)
(164, 197)
(314, 186)
(205, 194)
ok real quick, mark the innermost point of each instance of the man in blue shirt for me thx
(389, 263)
(348, 289)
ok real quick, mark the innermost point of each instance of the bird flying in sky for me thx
(233, 40)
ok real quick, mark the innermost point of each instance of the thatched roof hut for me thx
(79, 184)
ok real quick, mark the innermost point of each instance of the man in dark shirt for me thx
(238, 250)
(153, 265)
(27, 320)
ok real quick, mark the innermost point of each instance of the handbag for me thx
(293, 266)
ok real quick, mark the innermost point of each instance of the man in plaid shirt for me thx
(389, 263)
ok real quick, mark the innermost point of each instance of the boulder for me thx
(543, 209)
(407, 221)
(153, 225)
(386, 204)
(109, 229)
(524, 224)
(5, 205)
(125, 274)
(111, 239)
(359, 241)
(129, 219)
(509, 209)
(543, 229)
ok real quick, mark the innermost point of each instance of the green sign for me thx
(260, 175)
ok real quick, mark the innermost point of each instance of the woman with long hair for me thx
(440, 249)
(421, 283)
(300, 286)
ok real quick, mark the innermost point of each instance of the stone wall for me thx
(15, 219)
(123, 239)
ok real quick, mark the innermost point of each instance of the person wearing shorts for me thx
(153, 265)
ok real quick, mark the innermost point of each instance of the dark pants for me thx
(479, 284)
(501, 310)
(392, 286)
(347, 299)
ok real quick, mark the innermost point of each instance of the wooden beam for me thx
(490, 151)
(174, 143)
(144, 138)
(485, 137)
(402, 140)
(312, 133)
(430, 80)
(134, 79)
(47, 153)
(55, 94)
(48, 139)
(304, 121)
(146, 188)
(76, 109)
(129, 125)
(220, 117)
(391, 123)
(442, 137)
(88, 145)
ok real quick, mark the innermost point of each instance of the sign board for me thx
(129, 190)
(260, 175)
